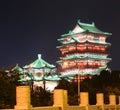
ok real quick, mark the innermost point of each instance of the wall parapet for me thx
(60, 99)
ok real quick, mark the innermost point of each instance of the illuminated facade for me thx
(83, 51)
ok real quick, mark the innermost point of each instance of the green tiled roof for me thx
(39, 63)
(75, 40)
(83, 57)
(60, 39)
(53, 78)
(87, 28)
(18, 68)
(50, 78)
(69, 33)
(91, 28)
(24, 79)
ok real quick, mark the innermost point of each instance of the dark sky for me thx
(31, 27)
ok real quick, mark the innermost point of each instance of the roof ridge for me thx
(86, 24)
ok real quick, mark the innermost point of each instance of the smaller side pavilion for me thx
(15, 72)
(40, 74)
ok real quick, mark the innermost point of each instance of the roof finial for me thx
(93, 23)
(39, 56)
(78, 21)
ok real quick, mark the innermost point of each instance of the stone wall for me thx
(60, 98)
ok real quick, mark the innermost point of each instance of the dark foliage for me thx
(7, 90)
(41, 97)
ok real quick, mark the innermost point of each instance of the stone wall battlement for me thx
(60, 99)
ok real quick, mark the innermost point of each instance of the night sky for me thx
(28, 28)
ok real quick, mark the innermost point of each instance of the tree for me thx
(7, 91)
(41, 97)
(63, 84)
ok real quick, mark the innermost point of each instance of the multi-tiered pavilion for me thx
(41, 74)
(83, 51)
